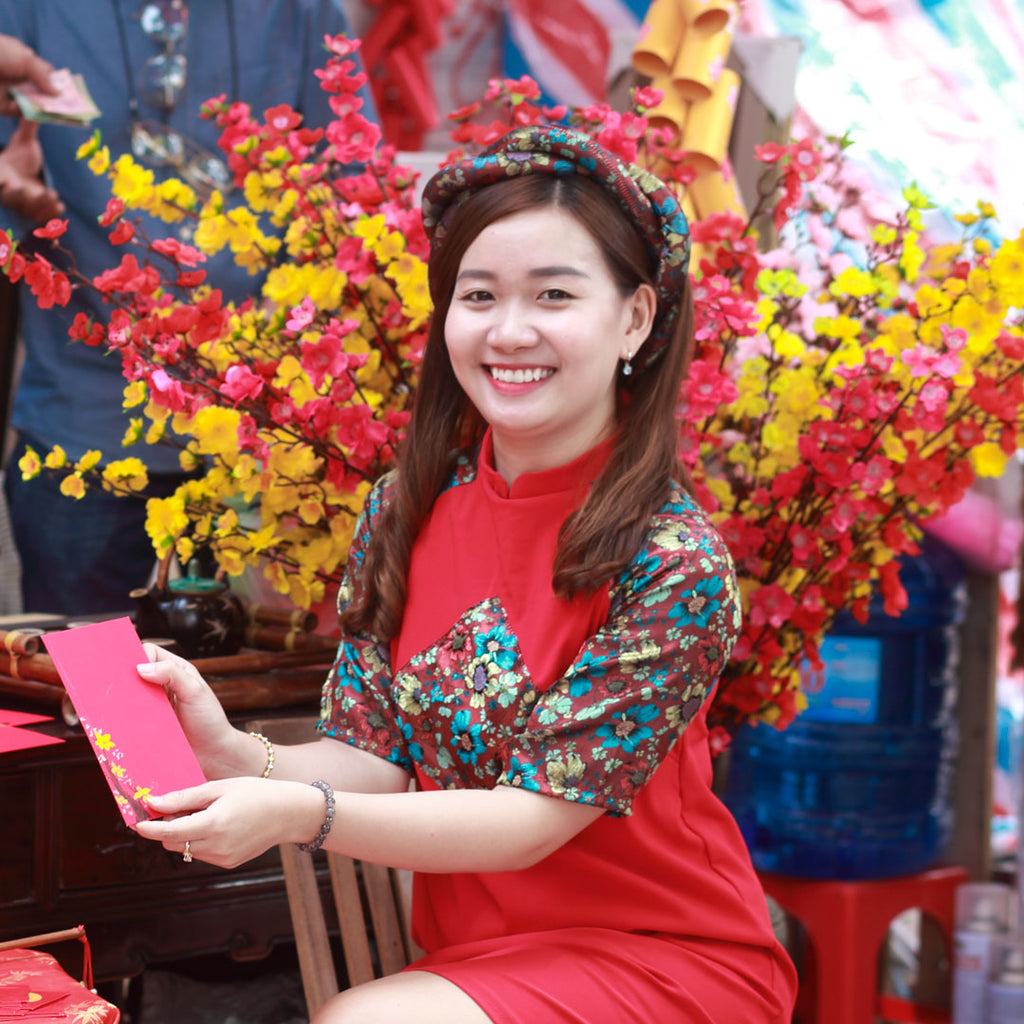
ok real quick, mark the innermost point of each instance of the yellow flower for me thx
(100, 161)
(88, 460)
(165, 521)
(103, 740)
(369, 229)
(171, 199)
(134, 394)
(988, 459)
(883, 234)
(90, 146)
(130, 473)
(131, 183)
(56, 459)
(912, 258)
(215, 429)
(73, 486)
(29, 464)
(133, 432)
(854, 283)
(1008, 271)
(212, 233)
(261, 189)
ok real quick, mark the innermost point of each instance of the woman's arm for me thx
(226, 752)
(502, 829)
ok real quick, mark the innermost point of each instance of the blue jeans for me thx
(79, 557)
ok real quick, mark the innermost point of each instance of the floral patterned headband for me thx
(552, 149)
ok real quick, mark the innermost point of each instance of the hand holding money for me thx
(70, 104)
(20, 64)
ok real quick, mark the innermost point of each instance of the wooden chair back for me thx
(371, 902)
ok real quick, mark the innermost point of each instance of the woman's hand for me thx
(230, 821)
(222, 750)
(21, 185)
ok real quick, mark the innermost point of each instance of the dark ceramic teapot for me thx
(199, 612)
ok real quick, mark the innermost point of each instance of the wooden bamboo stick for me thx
(262, 661)
(21, 641)
(279, 638)
(42, 940)
(291, 618)
(38, 667)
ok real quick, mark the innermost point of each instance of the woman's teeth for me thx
(520, 376)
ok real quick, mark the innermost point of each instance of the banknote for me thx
(71, 105)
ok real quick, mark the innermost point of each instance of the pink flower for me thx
(301, 315)
(240, 382)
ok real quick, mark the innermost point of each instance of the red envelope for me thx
(131, 725)
(9, 717)
(12, 738)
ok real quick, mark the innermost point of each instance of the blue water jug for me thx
(859, 786)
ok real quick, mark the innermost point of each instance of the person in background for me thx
(148, 66)
(534, 615)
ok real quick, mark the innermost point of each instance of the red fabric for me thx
(33, 984)
(670, 886)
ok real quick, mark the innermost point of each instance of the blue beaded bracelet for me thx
(312, 847)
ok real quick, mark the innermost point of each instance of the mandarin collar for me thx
(573, 476)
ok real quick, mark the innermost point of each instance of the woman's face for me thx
(535, 331)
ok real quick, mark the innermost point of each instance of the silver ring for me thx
(187, 855)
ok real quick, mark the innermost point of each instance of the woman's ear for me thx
(643, 306)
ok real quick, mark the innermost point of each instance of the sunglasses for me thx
(159, 145)
(162, 79)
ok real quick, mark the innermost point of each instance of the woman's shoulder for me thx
(679, 533)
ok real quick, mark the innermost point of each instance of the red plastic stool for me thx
(846, 923)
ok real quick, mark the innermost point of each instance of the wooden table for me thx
(66, 858)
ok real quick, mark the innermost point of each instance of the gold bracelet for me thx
(270, 753)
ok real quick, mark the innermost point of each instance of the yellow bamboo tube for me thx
(708, 15)
(709, 124)
(700, 62)
(672, 111)
(659, 39)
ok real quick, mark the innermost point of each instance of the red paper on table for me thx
(12, 738)
(9, 717)
(131, 725)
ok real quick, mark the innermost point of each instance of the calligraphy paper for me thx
(12, 738)
(134, 732)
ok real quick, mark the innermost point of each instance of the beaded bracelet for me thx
(270, 753)
(312, 847)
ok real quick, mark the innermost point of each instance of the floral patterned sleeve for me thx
(355, 704)
(597, 735)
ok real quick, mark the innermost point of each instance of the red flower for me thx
(115, 207)
(50, 288)
(185, 255)
(51, 229)
(123, 232)
(282, 118)
(771, 605)
(705, 389)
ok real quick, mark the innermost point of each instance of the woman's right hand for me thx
(222, 750)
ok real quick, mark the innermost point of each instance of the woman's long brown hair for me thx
(596, 542)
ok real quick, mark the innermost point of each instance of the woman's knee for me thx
(411, 995)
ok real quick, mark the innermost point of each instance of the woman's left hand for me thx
(230, 821)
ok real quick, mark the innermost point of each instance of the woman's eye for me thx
(477, 296)
(555, 294)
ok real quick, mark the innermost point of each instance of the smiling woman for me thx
(534, 614)
(536, 332)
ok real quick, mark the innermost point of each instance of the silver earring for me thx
(627, 366)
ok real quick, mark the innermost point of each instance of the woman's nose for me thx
(512, 327)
